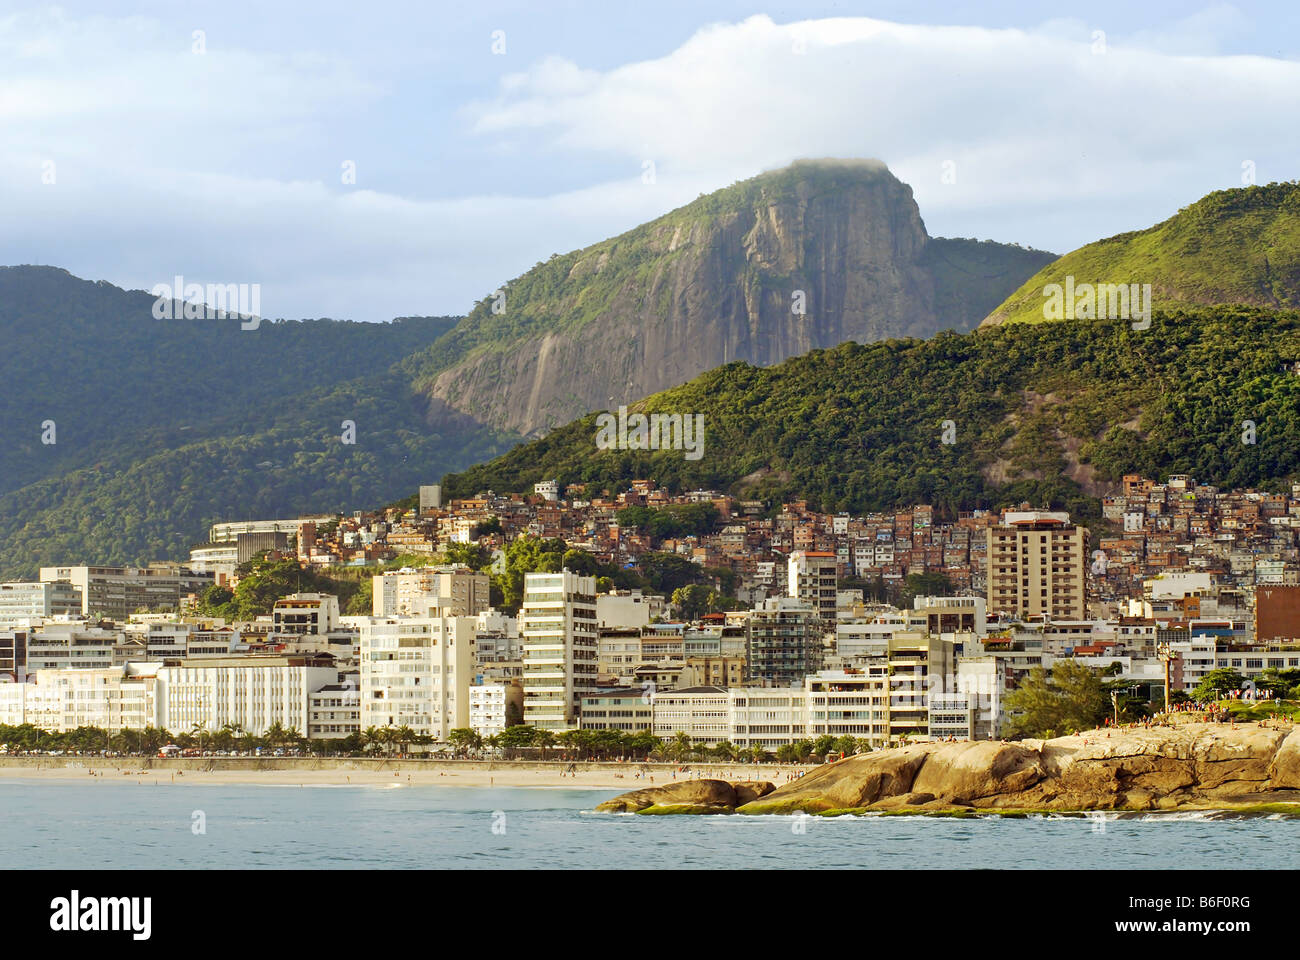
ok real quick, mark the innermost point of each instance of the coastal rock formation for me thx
(1188, 765)
(1284, 769)
(689, 796)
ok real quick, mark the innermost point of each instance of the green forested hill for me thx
(1231, 246)
(1047, 412)
(163, 426)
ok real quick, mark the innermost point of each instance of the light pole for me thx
(1168, 655)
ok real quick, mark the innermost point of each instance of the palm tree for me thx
(371, 737)
(403, 736)
(681, 746)
(544, 739)
(275, 734)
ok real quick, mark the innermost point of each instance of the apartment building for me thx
(768, 717)
(812, 576)
(416, 672)
(558, 627)
(251, 693)
(334, 711)
(33, 600)
(702, 713)
(13, 656)
(785, 641)
(1037, 565)
(76, 643)
(305, 614)
(116, 698)
(431, 591)
(627, 709)
(495, 705)
(848, 703)
(118, 592)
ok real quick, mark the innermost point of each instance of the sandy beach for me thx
(329, 773)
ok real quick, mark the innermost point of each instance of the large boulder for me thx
(717, 794)
(1237, 759)
(749, 790)
(1284, 770)
(965, 772)
(852, 783)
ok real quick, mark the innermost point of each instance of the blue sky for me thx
(131, 151)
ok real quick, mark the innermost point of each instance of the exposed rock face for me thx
(800, 258)
(1197, 765)
(1284, 769)
(693, 796)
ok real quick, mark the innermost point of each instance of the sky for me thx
(367, 161)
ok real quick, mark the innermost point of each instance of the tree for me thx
(1217, 683)
(464, 739)
(1069, 699)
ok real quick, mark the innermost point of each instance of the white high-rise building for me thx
(32, 600)
(557, 625)
(811, 576)
(251, 693)
(416, 672)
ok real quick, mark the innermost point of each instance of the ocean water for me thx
(123, 826)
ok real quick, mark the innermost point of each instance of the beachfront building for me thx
(248, 693)
(334, 711)
(627, 709)
(416, 672)
(702, 713)
(495, 705)
(848, 703)
(557, 625)
(113, 698)
(766, 717)
(951, 715)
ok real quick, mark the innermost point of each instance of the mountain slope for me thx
(715, 281)
(1047, 412)
(1231, 246)
(164, 426)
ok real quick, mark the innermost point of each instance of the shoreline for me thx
(343, 772)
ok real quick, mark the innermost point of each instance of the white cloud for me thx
(225, 166)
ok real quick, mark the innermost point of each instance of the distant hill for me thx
(715, 281)
(1237, 246)
(164, 426)
(1045, 412)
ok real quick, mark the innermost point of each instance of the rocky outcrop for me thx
(1188, 765)
(805, 257)
(688, 796)
(1284, 768)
